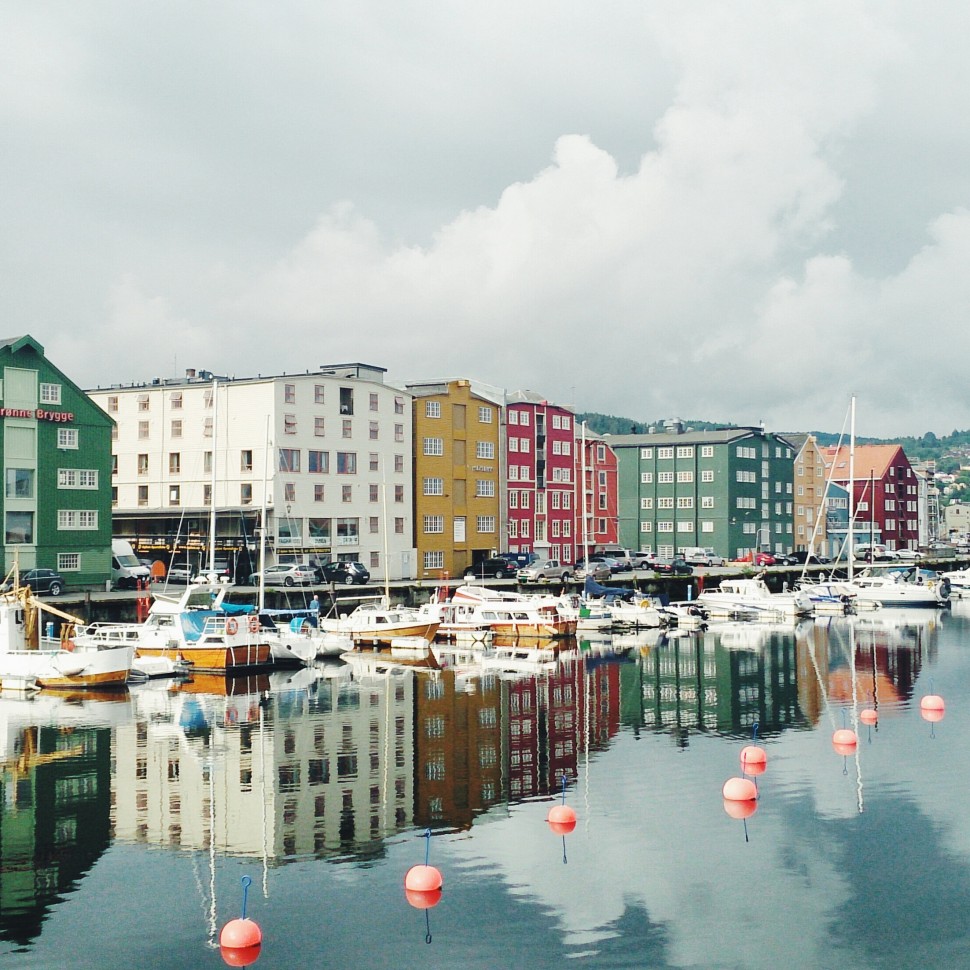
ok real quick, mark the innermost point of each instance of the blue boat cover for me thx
(593, 588)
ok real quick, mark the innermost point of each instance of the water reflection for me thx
(333, 762)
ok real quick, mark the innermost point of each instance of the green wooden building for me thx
(730, 490)
(56, 469)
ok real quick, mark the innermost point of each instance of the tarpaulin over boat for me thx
(595, 589)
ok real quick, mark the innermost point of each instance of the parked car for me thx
(285, 574)
(497, 567)
(802, 556)
(340, 571)
(598, 571)
(674, 567)
(786, 559)
(615, 565)
(644, 560)
(702, 556)
(619, 555)
(178, 574)
(544, 571)
(518, 559)
(40, 581)
(763, 559)
(907, 555)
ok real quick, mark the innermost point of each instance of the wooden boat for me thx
(195, 627)
(509, 614)
(377, 623)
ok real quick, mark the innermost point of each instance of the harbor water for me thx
(130, 819)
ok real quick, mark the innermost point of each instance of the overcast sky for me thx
(723, 211)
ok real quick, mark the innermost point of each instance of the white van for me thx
(700, 556)
(126, 568)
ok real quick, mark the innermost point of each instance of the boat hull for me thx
(70, 670)
(215, 657)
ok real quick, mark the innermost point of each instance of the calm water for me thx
(128, 822)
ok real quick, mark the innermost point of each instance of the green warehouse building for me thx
(56, 469)
(728, 489)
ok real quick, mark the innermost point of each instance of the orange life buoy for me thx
(232, 627)
(253, 623)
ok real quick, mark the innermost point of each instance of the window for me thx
(373, 402)
(346, 400)
(318, 462)
(20, 482)
(399, 464)
(685, 476)
(19, 527)
(68, 562)
(685, 502)
(144, 402)
(289, 492)
(374, 524)
(399, 525)
(685, 526)
(524, 418)
(207, 495)
(67, 437)
(665, 527)
(246, 460)
(143, 495)
(665, 478)
(207, 428)
(398, 493)
(399, 404)
(513, 444)
(432, 409)
(68, 478)
(485, 449)
(174, 463)
(374, 492)
(707, 501)
(174, 495)
(176, 429)
(319, 394)
(484, 415)
(646, 527)
(685, 451)
(707, 451)
(289, 424)
(346, 493)
(319, 427)
(434, 560)
(175, 400)
(399, 432)
(289, 459)
(484, 488)
(665, 503)
(77, 519)
(646, 478)
(113, 404)
(707, 475)
(646, 503)
(434, 524)
(347, 428)
(664, 453)
(646, 453)
(434, 446)
(485, 524)
(346, 463)
(434, 486)
(318, 492)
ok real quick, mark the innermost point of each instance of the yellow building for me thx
(809, 524)
(458, 480)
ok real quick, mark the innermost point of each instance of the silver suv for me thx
(544, 571)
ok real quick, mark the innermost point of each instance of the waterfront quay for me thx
(121, 605)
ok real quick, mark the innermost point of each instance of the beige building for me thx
(458, 484)
(809, 480)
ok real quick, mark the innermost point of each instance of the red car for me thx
(764, 559)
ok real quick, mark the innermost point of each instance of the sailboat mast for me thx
(262, 519)
(387, 571)
(851, 488)
(212, 485)
(583, 501)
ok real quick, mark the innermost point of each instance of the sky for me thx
(735, 212)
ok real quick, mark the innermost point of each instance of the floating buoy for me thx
(754, 760)
(932, 702)
(740, 810)
(869, 716)
(423, 879)
(932, 714)
(740, 790)
(845, 737)
(423, 898)
(561, 819)
(241, 938)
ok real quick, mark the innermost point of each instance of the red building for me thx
(885, 496)
(540, 462)
(602, 494)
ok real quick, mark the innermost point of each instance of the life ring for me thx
(232, 627)
(253, 623)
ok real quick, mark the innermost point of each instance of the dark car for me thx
(499, 568)
(349, 573)
(40, 581)
(786, 559)
(673, 567)
(802, 556)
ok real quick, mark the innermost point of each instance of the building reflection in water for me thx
(328, 764)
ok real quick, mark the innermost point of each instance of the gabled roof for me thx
(871, 461)
(13, 344)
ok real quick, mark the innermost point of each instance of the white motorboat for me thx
(511, 615)
(901, 589)
(378, 623)
(735, 598)
(830, 598)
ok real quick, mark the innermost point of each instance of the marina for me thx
(131, 816)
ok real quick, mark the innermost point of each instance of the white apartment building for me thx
(330, 452)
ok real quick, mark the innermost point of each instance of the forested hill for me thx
(947, 451)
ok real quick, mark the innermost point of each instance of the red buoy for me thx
(845, 736)
(751, 754)
(240, 956)
(740, 810)
(423, 899)
(561, 819)
(932, 702)
(869, 716)
(740, 790)
(423, 879)
(238, 934)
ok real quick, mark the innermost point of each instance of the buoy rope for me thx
(427, 847)
(246, 883)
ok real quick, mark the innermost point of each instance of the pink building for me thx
(602, 494)
(540, 462)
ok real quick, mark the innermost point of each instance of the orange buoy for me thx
(740, 810)
(751, 755)
(932, 702)
(869, 716)
(740, 790)
(240, 956)
(423, 879)
(561, 819)
(423, 898)
(845, 736)
(932, 714)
